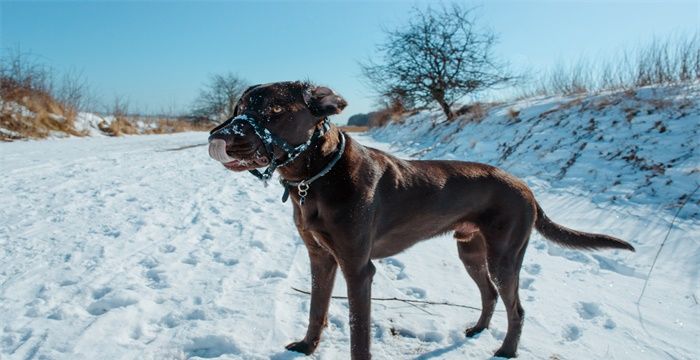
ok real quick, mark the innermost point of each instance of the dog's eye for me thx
(277, 109)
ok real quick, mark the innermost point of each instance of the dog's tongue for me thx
(217, 150)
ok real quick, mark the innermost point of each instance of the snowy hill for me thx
(635, 147)
(144, 248)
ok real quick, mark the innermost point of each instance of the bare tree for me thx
(74, 92)
(218, 97)
(21, 73)
(439, 56)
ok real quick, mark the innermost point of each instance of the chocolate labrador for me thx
(353, 204)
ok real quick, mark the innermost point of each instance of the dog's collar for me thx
(269, 140)
(303, 185)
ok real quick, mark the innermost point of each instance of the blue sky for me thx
(158, 53)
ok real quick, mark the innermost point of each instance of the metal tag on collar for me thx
(303, 189)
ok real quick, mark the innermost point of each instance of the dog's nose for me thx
(229, 131)
(217, 136)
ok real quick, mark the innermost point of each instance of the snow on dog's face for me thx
(289, 110)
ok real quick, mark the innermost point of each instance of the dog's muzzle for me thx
(217, 147)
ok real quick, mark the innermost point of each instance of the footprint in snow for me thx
(167, 249)
(98, 294)
(149, 262)
(14, 339)
(591, 311)
(228, 262)
(526, 283)
(257, 244)
(191, 259)
(211, 346)
(67, 282)
(171, 320)
(157, 279)
(273, 274)
(588, 310)
(337, 322)
(196, 314)
(110, 231)
(414, 292)
(571, 332)
(108, 303)
(429, 336)
(394, 268)
(533, 269)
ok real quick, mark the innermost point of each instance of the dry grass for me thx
(472, 113)
(354, 128)
(46, 114)
(127, 125)
(167, 126)
(513, 114)
(27, 113)
(673, 60)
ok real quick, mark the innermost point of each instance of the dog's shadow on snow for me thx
(458, 343)
(434, 354)
(287, 355)
(437, 353)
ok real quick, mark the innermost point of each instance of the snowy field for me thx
(124, 248)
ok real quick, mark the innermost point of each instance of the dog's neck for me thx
(314, 159)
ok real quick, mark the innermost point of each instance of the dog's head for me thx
(290, 111)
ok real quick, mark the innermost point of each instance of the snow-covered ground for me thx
(144, 248)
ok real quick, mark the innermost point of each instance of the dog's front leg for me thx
(359, 281)
(323, 268)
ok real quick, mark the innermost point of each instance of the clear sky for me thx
(158, 53)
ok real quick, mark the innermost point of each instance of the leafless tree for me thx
(73, 91)
(218, 97)
(439, 56)
(21, 72)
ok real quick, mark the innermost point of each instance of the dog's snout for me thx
(228, 132)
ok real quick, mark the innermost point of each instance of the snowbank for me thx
(625, 148)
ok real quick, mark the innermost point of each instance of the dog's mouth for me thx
(217, 151)
(243, 165)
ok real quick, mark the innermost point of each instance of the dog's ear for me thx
(323, 101)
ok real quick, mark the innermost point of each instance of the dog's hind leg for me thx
(472, 252)
(505, 258)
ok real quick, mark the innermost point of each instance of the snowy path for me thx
(115, 248)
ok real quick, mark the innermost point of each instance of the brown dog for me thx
(371, 205)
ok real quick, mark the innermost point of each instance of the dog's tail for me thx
(575, 239)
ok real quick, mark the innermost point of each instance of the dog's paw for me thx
(508, 354)
(472, 331)
(302, 347)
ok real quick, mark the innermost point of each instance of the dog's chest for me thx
(309, 218)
